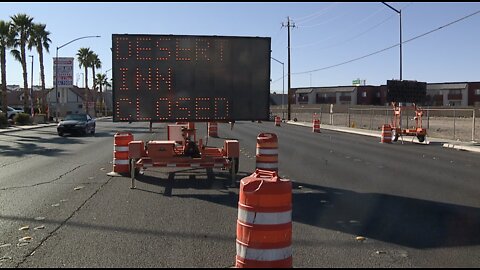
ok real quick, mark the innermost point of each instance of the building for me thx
(72, 100)
(453, 94)
(278, 99)
(438, 94)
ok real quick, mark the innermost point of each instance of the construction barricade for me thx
(267, 152)
(277, 121)
(213, 129)
(386, 136)
(264, 224)
(120, 154)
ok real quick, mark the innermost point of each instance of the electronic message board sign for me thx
(169, 78)
(406, 91)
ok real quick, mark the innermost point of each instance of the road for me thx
(416, 205)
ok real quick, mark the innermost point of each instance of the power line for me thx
(316, 14)
(354, 37)
(393, 46)
(336, 34)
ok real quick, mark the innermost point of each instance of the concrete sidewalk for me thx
(25, 127)
(466, 146)
(34, 126)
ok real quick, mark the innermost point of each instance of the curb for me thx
(19, 128)
(461, 147)
(445, 145)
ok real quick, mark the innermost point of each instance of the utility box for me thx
(160, 149)
(232, 148)
(136, 149)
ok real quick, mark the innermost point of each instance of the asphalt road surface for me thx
(415, 205)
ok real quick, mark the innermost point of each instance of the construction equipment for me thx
(193, 79)
(417, 131)
(182, 150)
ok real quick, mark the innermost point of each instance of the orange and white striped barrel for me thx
(277, 121)
(316, 125)
(264, 224)
(120, 152)
(386, 136)
(212, 129)
(267, 152)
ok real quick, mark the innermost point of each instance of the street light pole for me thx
(56, 72)
(400, 14)
(283, 87)
(31, 90)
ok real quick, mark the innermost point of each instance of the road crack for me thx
(63, 223)
(43, 183)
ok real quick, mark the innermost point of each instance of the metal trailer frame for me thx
(397, 130)
(226, 158)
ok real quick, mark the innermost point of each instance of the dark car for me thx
(76, 123)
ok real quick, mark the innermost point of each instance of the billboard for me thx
(65, 71)
(169, 78)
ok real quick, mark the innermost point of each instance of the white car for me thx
(11, 112)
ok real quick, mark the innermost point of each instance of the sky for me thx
(325, 35)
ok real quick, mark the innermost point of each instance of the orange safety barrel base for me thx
(243, 263)
(386, 136)
(264, 224)
(121, 164)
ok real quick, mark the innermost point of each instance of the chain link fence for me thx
(447, 123)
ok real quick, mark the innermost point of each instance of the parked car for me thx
(79, 123)
(11, 112)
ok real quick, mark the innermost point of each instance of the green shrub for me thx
(22, 119)
(3, 120)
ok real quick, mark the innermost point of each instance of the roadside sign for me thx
(65, 71)
(169, 78)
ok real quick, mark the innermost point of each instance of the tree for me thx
(6, 41)
(22, 24)
(101, 80)
(39, 38)
(95, 63)
(84, 57)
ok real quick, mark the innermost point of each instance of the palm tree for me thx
(6, 41)
(96, 63)
(22, 24)
(84, 57)
(40, 40)
(101, 80)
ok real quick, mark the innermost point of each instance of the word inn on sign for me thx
(190, 78)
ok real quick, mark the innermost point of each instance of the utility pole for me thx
(399, 12)
(31, 91)
(288, 25)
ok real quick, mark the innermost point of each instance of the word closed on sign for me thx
(168, 78)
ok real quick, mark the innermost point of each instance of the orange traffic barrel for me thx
(120, 152)
(264, 224)
(267, 152)
(212, 129)
(386, 136)
(277, 121)
(316, 125)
